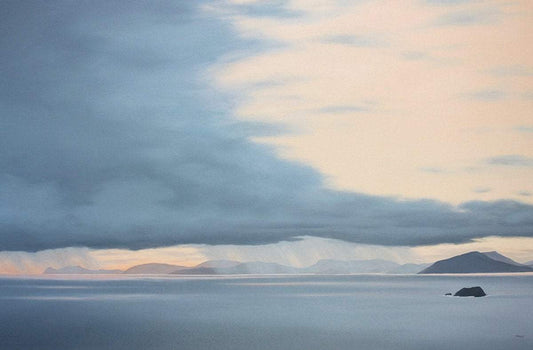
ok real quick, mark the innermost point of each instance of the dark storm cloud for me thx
(110, 137)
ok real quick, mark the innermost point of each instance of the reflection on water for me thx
(266, 312)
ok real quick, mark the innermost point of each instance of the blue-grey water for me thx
(274, 312)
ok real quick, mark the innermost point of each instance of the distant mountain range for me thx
(254, 268)
(153, 268)
(473, 262)
(476, 262)
(329, 266)
(77, 270)
(230, 267)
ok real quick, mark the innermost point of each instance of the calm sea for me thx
(266, 312)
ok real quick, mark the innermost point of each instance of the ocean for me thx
(266, 312)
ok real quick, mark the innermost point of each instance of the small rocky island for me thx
(470, 292)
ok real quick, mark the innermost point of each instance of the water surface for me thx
(266, 312)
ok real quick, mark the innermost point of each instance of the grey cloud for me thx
(415, 55)
(251, 129)
(512, 71)
(354, 40)
(344, 109)
(511, 160)
(434, 170)
(110, 137)
(470, 17)
(524, 128)
(273, 8)
(488, 95)
(482, 189)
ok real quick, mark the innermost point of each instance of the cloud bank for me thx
(111, 138)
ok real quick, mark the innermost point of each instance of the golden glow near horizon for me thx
(122, 258)
(309, 250)
(299, 254)
(396, 98)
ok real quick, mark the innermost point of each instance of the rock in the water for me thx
(470, 292)
(448, 294)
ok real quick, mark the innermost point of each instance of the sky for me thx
(282, 131)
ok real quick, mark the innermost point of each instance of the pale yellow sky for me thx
(396, 98)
